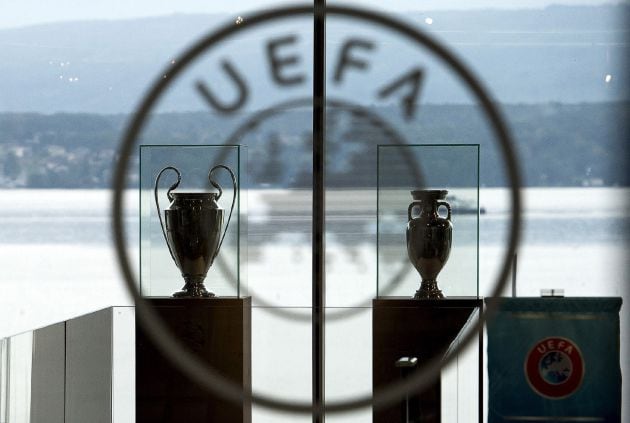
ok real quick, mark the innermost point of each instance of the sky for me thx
(17, 13)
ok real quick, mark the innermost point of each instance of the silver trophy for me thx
(429, 239)
(194, 230)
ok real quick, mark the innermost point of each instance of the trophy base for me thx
(194, 294)
(428, 291)
(193, 290)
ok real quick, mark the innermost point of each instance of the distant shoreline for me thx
(558, 145)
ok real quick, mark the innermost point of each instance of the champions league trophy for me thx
(429, 239)
(193, 233)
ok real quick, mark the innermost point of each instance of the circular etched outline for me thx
(195, 368)
(531, 367)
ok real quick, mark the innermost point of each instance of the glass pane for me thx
(77, 72)
(4, 367)
(123, 364)
(20, 351)
(284, 373)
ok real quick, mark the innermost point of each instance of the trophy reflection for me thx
(194, 230)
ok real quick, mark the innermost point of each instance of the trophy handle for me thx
(170, 198)
(217, 186)
(411, 206)
(448, 207)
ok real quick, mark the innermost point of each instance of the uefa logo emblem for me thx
(225, 79)
(554, 368)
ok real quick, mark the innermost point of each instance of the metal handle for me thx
(411, 206)
(218, 187)
(170, 198)
(448, 207)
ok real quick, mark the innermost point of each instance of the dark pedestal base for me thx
(424, 329)
(216, 329)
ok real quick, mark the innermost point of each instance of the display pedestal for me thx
(218, 330)
(424, 329)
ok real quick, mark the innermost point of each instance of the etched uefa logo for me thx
(253, 83)
(554, 368)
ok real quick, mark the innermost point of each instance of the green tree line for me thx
(557, 144)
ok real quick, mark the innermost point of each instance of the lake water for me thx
(57, 262)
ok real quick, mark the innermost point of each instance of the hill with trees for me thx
(557, 144)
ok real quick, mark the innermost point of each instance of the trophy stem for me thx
(194, 288)
(428, 290)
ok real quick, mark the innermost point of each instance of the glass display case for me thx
(427, 278)
(192, 239)
(428, 220)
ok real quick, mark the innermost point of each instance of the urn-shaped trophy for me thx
(194, 230)
(429, 239)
